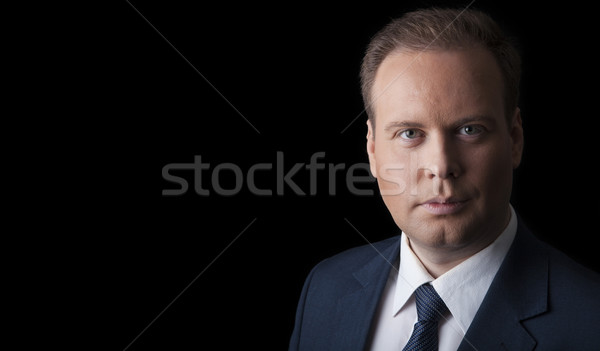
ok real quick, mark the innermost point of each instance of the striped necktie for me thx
(430, 308)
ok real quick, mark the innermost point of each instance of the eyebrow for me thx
(402, 124)
(413, 124)
(475, 118)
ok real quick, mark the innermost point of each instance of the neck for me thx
(438, 263)
(439, 260)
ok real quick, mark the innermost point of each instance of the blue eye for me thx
(410, 134)
(470, 130)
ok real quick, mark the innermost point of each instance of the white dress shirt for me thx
(462, 288)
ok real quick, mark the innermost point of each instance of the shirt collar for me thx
(463, 287)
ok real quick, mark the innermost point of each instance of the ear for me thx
(371, 148)
(516, 135)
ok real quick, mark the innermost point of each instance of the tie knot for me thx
(430, 306)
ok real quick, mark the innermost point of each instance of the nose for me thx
(441, 158)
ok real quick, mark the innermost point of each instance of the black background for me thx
(134, 105)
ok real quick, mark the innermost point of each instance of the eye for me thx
(410, 134)
(470, 130)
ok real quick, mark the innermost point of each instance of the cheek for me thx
(393, 171)
(491, 171)
(396, 186)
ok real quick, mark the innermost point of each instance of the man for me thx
(444, 135)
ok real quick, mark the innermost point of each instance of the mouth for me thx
(443, 206)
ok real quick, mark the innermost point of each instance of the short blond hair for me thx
(443, 29)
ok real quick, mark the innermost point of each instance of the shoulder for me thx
(560, 266)
(573, 306)
(571, 280)
(342, 289)
(351, 269)
(344, 273)
(352, 260)
(563, 271)
(572, 298)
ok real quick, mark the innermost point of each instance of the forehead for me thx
(446, 84)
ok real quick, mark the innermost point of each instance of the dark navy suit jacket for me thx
(539, 300)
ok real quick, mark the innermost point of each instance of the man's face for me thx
(443, 151)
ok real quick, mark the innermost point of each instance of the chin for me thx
(443, 238)
(452, 231)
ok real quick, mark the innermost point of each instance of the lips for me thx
(443, 206)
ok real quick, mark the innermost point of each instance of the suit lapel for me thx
(518, 292)
(356, 309)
